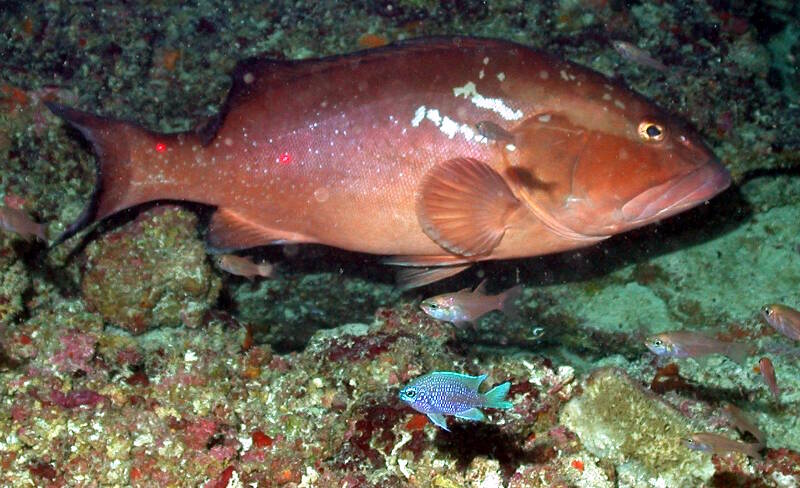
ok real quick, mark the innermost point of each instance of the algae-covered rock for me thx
(617, 420)
(151, 272)
(14, 280)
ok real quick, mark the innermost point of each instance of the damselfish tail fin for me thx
(496, 397)
(125, 153)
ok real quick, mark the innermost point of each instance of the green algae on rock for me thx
(14, 280)
(618, 420)
(151, 272)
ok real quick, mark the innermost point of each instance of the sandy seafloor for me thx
(293, 381)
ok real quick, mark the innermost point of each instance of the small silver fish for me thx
(718, 444)
(241, 266)
(742, 423)
(687, 344)
(494, 132)
(446, 393)
(20, 223)
(465, 306)
(785, 320)
(637, 55)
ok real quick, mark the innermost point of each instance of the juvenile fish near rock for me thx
(19, 222)
(785, 320)
(379, 152)
(742, 422)
(637, 55)
(245, 267)
(445, 393)
(768, 373)
(687, 344)
(718, 444)
(465, 306)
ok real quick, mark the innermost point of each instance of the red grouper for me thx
(439, 152)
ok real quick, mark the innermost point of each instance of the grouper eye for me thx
(651, 131)
(657, 342)
(433, 306)
(410, 392)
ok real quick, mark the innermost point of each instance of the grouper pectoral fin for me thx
(438, 419)
(465, 206)
(230, 230)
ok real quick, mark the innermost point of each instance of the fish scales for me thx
(372, 151)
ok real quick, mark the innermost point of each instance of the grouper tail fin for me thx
(127, 155)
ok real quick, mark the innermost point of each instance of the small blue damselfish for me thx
(443, 393)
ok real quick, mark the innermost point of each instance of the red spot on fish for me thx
(261, 439)
(161, 147)
(285, 158)
(578, 464)
(24, 340)
(135, 474)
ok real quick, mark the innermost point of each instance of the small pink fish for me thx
(687, 344)
(241, 266)
(465, 306)
(19, 222)
(637, 55)
(717, 444)
(768, 373)
(785, 320)
(742, 423)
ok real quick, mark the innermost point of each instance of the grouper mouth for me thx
(677, 194)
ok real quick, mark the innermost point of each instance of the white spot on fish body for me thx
(419, 114)
(486, 60)
(449, 127)
(619, 104)
(322, 194)
(564, 75)
(248, 78)
(228, 141)
(511, 147)
(501, 76)
(494, 104)
(544, 118)
(606, 96)
(481, 74)
(434, 116)
(544, 75)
